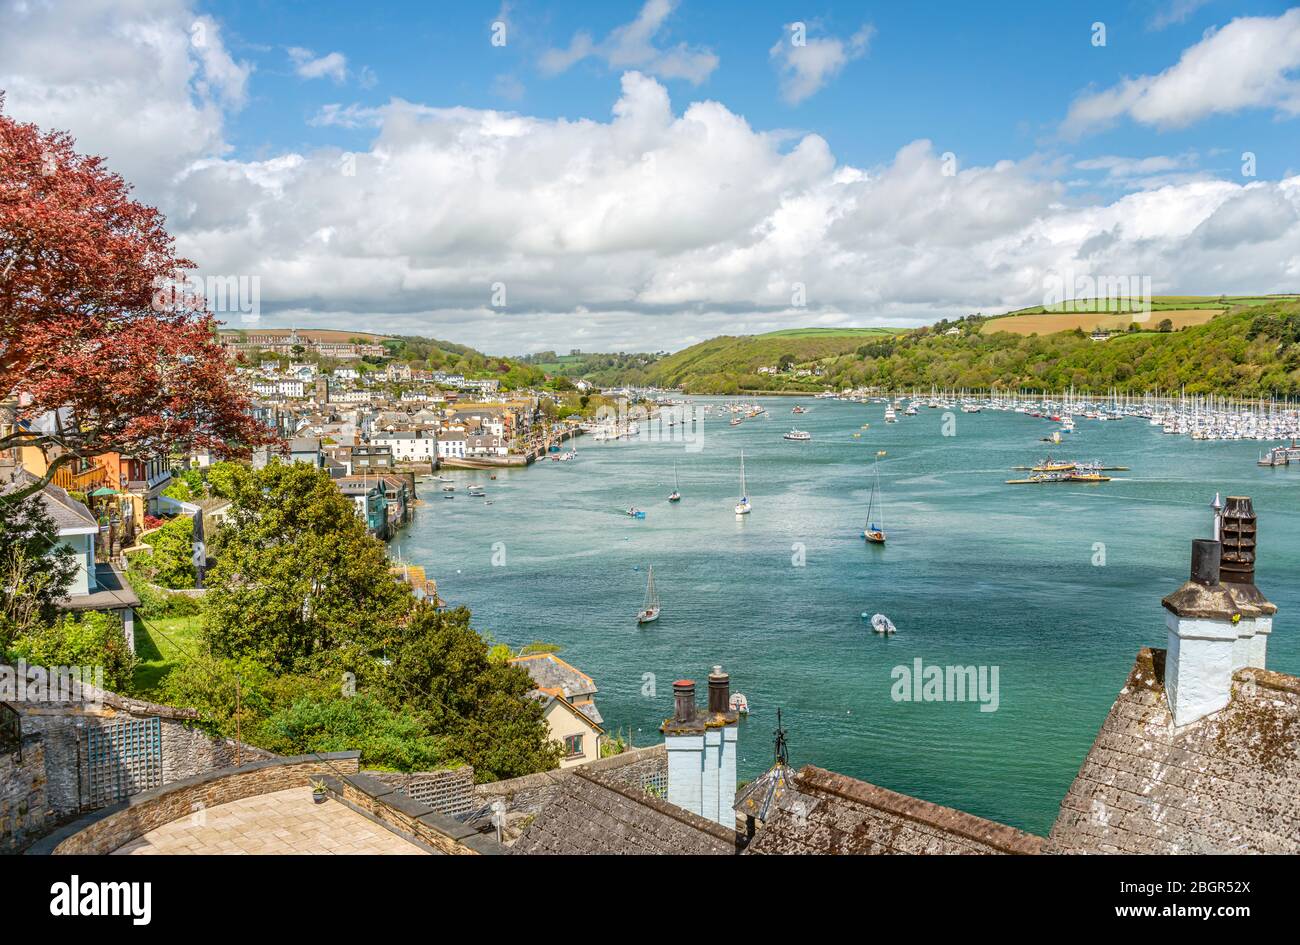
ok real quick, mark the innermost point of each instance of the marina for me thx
(974, 573)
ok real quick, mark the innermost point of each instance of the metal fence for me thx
(123, 759)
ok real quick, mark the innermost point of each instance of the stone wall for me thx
(24, 808)
(107, 829)
(408, 817)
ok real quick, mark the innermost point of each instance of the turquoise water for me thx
(975, 573)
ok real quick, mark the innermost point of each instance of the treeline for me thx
(1249, 352)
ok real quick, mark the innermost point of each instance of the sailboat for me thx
(873, 532)
(650, 612)
(674, 496)
(743, 507)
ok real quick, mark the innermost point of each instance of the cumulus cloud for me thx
(806, 64)
(151, 91)
(657, 225)
(307, 65)
(633, 46)
(1250, 63)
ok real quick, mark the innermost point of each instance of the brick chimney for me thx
(702, 750)
(1202, 622)
(1237, 528)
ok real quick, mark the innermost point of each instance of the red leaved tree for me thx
(94, 358)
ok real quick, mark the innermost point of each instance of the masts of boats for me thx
(873, 531)
(650, 610)
(743, 507)
(675, 496)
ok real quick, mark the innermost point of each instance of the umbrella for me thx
(104, 490)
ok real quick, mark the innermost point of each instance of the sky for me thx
(524, 176)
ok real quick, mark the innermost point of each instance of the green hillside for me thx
(1254, 350)
(729, 364)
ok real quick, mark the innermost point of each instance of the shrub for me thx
(386, 739)
(91, 639)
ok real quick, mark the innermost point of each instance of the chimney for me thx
(702, 750)
(1202, 623)
(1238, 534)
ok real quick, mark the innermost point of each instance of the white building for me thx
(451, 445)
(408, 446)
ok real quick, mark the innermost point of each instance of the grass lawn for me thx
(161, 645)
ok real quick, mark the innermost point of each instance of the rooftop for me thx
(1227, 783)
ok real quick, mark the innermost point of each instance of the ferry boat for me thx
(797, 435)
(890, 415)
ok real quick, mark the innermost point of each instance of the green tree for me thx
(1165, 324)
(482, 709)
(36, 569)
(388, 739)
(298, 582)
(170, 563)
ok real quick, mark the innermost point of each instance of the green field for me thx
(831, 332)
(1159, 303)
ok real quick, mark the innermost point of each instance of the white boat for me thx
(738, 703)
(743, 507)
(890, 415)
(882, 624)
(650, 611)
(798, 435)
(873, 531)
(477, 491)
(674, 496)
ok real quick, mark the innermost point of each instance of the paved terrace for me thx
(285, 822)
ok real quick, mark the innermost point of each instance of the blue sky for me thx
(645, 175)
(987, 81)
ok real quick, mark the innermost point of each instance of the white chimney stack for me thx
(702, 751)
(1202, 622)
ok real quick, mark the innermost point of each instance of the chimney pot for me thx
(1238, 536)
(1207, 556)
(684, 700)
(719, 691)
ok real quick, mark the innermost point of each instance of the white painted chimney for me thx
(1202, 622)
(1237, 530)
(702, 751)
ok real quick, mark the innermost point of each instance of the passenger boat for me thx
(650, 610)
(890, 415)
(797, 435)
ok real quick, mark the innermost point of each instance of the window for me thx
(573, 746)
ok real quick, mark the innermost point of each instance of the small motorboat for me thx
(882, 624)
(739, 704)
(449, 495)
(448, 488)
(634, 512)
(477, 491)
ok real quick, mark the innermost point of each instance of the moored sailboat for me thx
(743, 507)
(650, 610)
(873, 532)
(675, 495)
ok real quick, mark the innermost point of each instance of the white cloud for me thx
(1250, 63)
(653, 227)
(632, 46)
(149, 91)
(1173, 12)
(307, 65)
(807, 65)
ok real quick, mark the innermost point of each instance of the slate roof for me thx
(760, 796)
(589, 815)
(833, 814)
(1227, 783)
(64, 511)
(554, 676)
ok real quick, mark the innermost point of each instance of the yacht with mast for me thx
(873, 532)
(650, 610)
(743, 507)
(675, 495)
